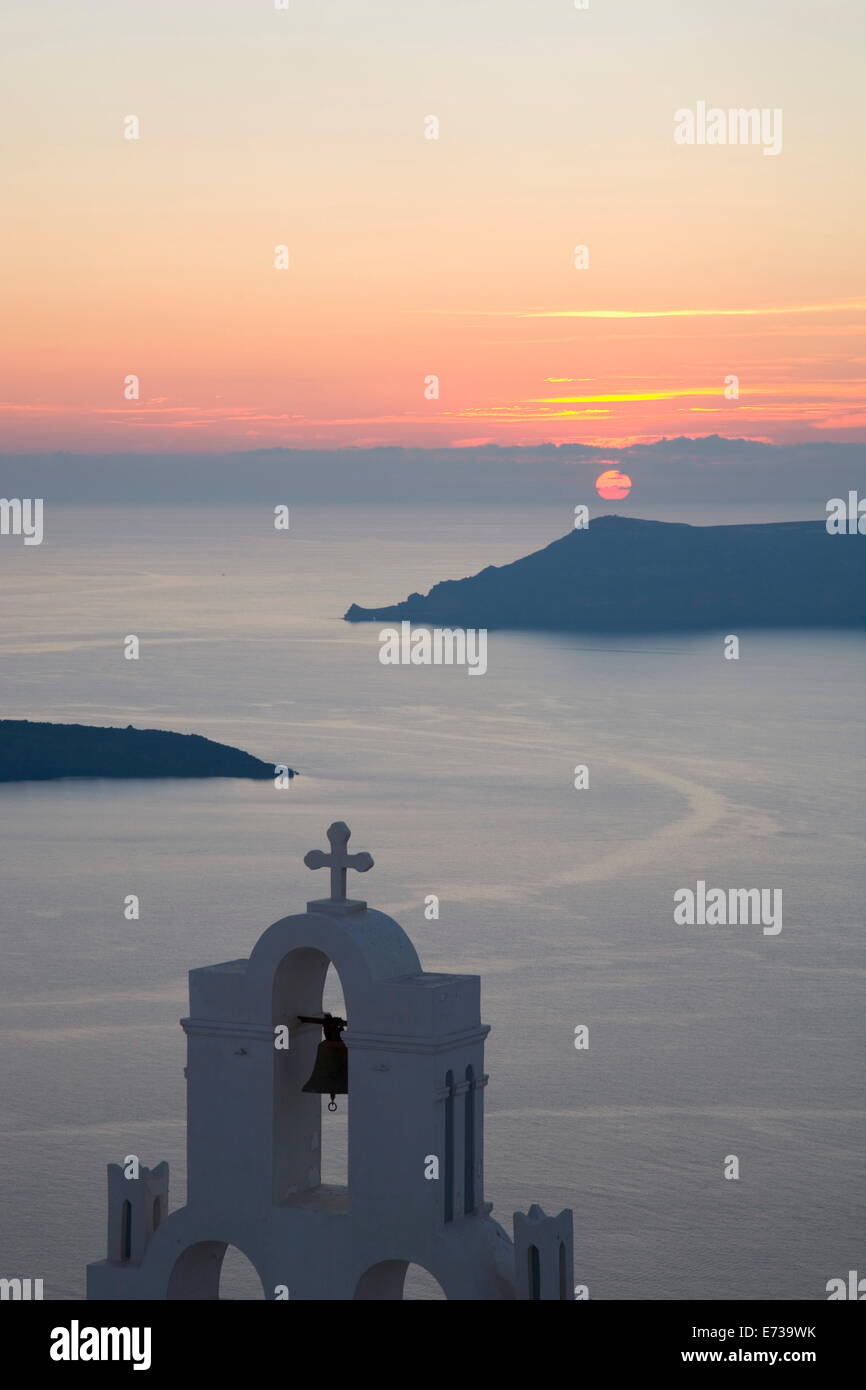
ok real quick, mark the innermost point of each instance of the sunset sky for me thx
(412, 257)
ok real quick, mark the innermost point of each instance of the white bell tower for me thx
(415, 1191)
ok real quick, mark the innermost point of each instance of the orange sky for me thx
(411, 257)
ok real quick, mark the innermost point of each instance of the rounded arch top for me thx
(366, 949)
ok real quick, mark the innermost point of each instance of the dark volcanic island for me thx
(621, 574)
(32, 752)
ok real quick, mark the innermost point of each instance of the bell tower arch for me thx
(296, 1141)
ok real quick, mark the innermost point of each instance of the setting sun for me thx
(613, 485)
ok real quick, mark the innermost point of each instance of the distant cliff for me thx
(37, 752)
(623, 574)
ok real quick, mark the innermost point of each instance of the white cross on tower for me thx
(338, 861)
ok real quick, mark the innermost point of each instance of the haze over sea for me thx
(704, 1041)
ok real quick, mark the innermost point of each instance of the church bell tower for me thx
(413, 1066)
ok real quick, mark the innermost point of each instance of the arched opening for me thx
(335, 1124)
(449, 1147)
(126, 1231)
(469, 1131)
(212, 1269)
(534, 1273)
(238, 1281)
(420, 1286)
(393, 1280)
(304, 1168)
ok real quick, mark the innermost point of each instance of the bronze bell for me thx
(331, 1071)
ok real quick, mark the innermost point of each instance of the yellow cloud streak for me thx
(820, 390)
(626, 396)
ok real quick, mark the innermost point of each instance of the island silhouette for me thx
(36, 752)
(622, 574)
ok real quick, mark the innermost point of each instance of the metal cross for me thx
(339, 860)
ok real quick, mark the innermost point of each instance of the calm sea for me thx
(703, 1042)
